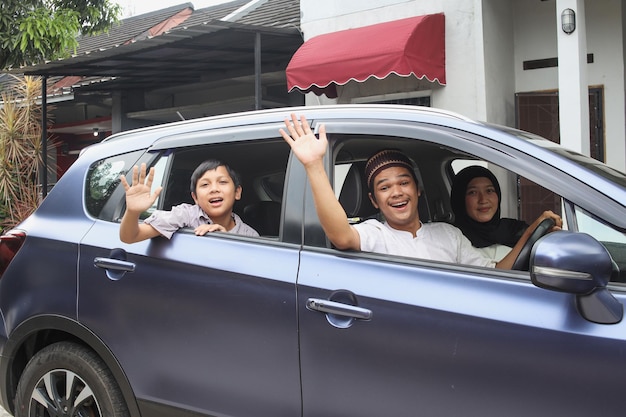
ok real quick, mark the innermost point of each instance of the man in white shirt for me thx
(394, 191)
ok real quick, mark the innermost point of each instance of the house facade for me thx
(501, 65)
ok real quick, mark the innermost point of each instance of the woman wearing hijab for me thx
(475, 200)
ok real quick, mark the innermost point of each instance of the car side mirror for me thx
(578, 264)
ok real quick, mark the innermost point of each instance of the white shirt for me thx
(495, 252)
(434, 241)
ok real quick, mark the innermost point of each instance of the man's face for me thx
(216, 193)
(396, 195)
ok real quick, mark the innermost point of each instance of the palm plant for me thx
(20, 150)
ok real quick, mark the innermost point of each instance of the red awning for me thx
(413, 46)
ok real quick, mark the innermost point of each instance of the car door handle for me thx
(115, 268)
(114, 264)
(339, 309)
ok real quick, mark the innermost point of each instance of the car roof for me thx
(383, 111)
(539, 148)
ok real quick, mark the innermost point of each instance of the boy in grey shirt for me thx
(214, 187)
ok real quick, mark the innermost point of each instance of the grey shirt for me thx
(190, 215)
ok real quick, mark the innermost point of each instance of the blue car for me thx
(284, 324)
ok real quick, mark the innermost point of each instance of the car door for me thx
(199, 324)
(386, 335)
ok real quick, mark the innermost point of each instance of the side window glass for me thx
(341, 172)
(599, 230)
(159, 174)
(613, 240)
(102, 181)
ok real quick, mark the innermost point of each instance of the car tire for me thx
(42, 387)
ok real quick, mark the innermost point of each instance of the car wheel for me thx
(66, 379)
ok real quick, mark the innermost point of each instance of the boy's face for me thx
(216, 193)
(396, 197)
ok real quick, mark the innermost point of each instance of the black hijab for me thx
(495, 231)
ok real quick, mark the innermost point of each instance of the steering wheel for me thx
(523, 258)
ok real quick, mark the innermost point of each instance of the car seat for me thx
(264, 217)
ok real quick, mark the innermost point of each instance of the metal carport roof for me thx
(208, 51)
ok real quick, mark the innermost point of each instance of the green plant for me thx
(20, 150)
(32, 31)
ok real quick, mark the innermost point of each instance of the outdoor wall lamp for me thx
(95, 131)
(568, 21)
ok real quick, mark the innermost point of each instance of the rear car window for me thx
(103, 178)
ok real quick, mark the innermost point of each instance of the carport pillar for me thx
(44, 136)
(572, 70)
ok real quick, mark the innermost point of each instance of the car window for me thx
(158, 181)
(613, 240)
(522, 199)
(587, 223)
(261, 165)
(341, 172)
(103, 178)
(435, 166)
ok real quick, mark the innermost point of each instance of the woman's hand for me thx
(548, 214)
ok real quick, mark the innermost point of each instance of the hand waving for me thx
(305, 145)
(138, 196)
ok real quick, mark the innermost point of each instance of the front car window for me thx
(613, 240)
(527, 190)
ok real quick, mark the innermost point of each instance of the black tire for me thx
(41, 391)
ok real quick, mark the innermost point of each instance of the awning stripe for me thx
(408, 47)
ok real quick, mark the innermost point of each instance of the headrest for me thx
(354, 194)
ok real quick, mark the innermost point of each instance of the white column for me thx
(573, 86)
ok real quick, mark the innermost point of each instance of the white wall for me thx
(535, 38)
(487, 42)
(464, 92)
(605, 39)
(499, 74)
